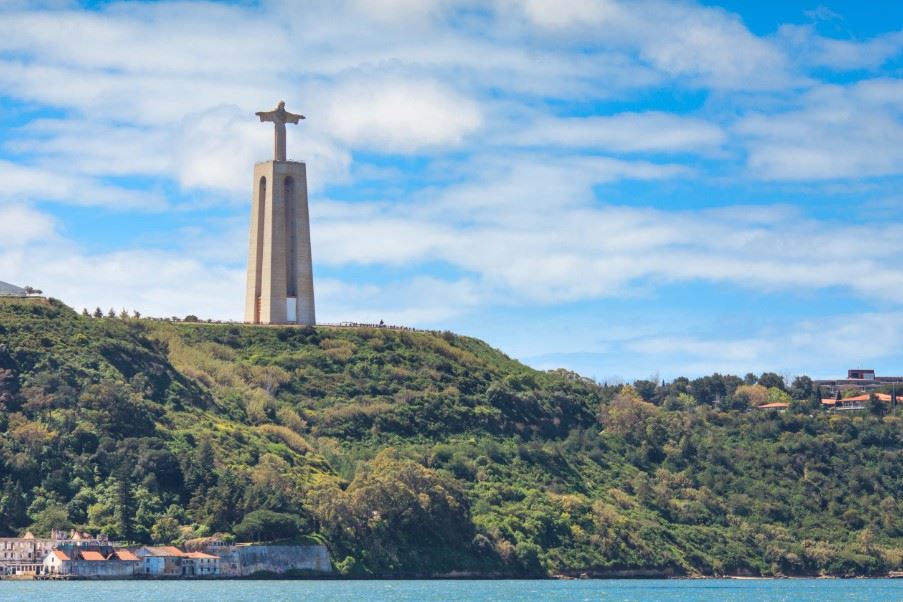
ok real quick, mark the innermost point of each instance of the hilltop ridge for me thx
(423, 454)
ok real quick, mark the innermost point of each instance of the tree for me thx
(85, 313)
(749, 396)
(876, 406)
(770, 379)
(165, 530)
(223, 504)
(125, 508)
(266, 525)
(98, 313)
(118, 410)
(802, 387)
(13, 515)
(646, 389)
(53, 516)
(394, 511)
(111, 313)
(136, 314)
(626, 414)
(199, 467)
(191, 318)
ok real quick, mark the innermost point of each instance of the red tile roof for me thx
(861, 398)
(199, 555)
(90, 555)
(125, 555)
(60, 554)
(778, 405)
(165, 551)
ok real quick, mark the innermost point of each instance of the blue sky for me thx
(626, 189)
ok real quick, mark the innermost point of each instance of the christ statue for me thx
(279, 116)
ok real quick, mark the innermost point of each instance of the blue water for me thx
(720, 590)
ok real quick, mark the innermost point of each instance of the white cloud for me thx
(389, 114)
(93, 148)
(624, 132)
(419, 300)
(20, 225)
(535, 231)
(707, 46)
(806, 347)
(835, 132)
(568, 14)
(165, 88)
(162, 283)
(810, 49)
(35, 183)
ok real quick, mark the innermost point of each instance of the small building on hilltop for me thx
(11, 290)
(858, 379)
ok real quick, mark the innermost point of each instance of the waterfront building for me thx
(25, 555)
(200, 564)
(162, 561)
(96, 562)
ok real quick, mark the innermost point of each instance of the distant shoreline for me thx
(557, 577)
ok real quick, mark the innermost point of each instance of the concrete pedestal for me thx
(280, 288)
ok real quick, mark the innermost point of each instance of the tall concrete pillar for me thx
(280, 287)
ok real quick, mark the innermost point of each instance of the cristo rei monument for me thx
(280, 287)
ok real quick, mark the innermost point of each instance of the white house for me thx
(162, 561)
(201, 564)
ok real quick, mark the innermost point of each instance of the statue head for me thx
(281, 104)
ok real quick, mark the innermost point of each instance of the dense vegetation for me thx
(414, 453)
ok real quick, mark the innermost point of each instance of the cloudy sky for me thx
(626, 189)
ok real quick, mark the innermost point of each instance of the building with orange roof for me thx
(162, 561)
(858, 402)
(201, 564)
(123, 554)
(90, 562)
(778, 405)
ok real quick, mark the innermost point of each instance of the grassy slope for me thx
(415, 453)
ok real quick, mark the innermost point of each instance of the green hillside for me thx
(416, 454)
